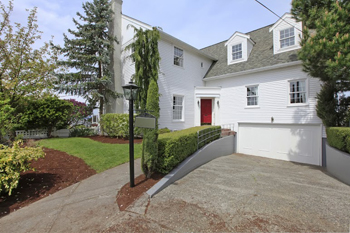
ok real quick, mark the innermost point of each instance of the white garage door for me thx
(297, 143)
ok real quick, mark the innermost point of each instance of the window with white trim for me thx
(236, 51)
(287, 37)
(178, 107)
(178, 56)
(297, 92)
(252, 95)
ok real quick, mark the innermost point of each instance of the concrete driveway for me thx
(229, 194)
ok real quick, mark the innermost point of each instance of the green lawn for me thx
(99, 156)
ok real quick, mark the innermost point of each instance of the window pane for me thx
(287, 37)
(236, 51)
(252, 96)
(178, 56)
(297, 92)
(177, 107)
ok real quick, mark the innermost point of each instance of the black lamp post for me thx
(130, 93)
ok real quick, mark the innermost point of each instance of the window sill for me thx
(252, 107)
(298, 105)
(231, 62)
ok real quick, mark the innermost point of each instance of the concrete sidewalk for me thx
(229, 194)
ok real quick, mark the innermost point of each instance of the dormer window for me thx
(287, 37)
(236, 52)
(238, 48)
(286, 34)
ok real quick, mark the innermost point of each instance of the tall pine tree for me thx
(89, 53)
(325, 53)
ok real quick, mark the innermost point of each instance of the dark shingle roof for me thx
(260, 56)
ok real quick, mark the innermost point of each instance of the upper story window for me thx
(236, 52)
(178, 107)
(287, 34)
(297, 92)
(252, 95)
(178, 56)
(287, 37)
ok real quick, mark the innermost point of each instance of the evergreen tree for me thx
(89, 53)
(150, 138)
(325, 53)
(146, 57)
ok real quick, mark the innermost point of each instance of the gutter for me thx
(245, 72)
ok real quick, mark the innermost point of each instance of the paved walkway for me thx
(231, 193)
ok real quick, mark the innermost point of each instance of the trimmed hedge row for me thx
(117, 125)
(176, 146)
(339, 137)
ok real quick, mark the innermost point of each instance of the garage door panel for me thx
(298, 143)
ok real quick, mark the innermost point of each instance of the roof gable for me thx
(238, 34)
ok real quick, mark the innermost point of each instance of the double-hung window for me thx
(178, 56)
(252, 96)
(178, 107)
(297, 92)
(236, 52)
(287, 37)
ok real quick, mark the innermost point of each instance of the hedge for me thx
(116, 125)
(339, 137)
(176, 146)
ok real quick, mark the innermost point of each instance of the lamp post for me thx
(130, 93)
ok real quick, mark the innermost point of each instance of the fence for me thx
(41, 133)
(205, 136)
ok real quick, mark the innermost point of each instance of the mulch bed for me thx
(58, 170)
(127, 195)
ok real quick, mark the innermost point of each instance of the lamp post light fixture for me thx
(130, 93)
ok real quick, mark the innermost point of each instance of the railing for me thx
(41, 133)
(208, 135)
(231, 126)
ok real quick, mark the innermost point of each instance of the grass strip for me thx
(99, 156)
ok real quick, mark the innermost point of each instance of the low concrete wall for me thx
(338, 164)
(221, 147)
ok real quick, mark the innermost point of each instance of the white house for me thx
(253, 81)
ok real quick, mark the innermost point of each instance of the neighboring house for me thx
(253, 81)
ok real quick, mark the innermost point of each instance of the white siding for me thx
(273, 98)
(175, 80)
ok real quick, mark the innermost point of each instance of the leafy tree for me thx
(89, 53)
(6, 118)
(150, 138)
(146, 57)
(326, 53)
(50, 112)
(79, 112)
(24, 71)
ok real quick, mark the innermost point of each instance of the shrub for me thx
(176, 146)
(50, 113)
(164, 130)
(339, 137)
(13, 161)
(81, 131)
(150, 138)
(116, 125)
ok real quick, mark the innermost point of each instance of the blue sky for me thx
(199, 23)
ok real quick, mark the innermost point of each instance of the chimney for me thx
(116, 105)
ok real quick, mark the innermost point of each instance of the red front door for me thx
(206, 111)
